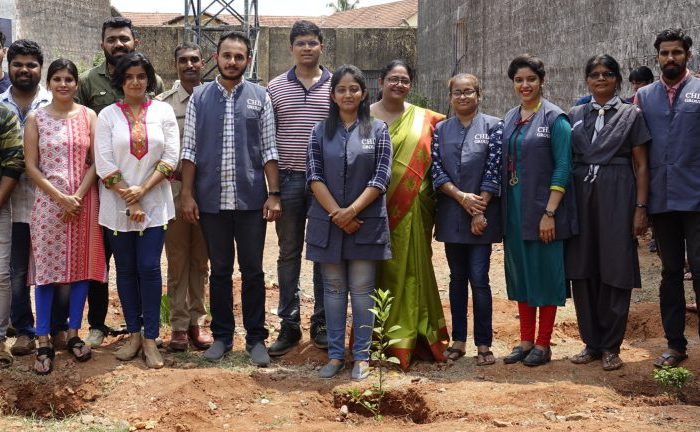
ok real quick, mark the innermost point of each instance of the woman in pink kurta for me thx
(66, 238)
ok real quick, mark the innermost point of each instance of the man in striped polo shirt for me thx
(300, 98)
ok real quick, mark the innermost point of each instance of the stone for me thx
(500, 423)
(550, 415)
(576, 416)
(87, 419)
(264, 401)
(344, 411)
(212, 406)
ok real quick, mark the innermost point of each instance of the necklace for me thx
(512, 166)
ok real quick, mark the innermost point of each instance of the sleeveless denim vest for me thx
(463, 153)
(674, 152)
(251, 189)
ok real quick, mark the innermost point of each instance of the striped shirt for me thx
(297, 110)
(228, 148)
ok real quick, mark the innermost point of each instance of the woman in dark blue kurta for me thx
(466, 170)
(348, 169)
(537, 155)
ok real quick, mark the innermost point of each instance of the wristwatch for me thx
(549, 213)
(275, 193)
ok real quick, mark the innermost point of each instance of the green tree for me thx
(343, 5)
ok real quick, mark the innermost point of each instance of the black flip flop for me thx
(452, 350)
(76, 343)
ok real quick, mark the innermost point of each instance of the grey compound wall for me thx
(66, 28)
(487, 34)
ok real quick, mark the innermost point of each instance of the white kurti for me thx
(113, 152)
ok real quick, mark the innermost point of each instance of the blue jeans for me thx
(139, 280)
(356, 277)
(469, 263)
(290, 234)
(246, 229)
(21, 314)
(44, 299)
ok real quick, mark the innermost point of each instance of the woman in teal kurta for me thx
(537, 153)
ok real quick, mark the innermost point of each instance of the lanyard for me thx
(512, 167)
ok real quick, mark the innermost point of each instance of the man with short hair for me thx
(25, 94)
(11, 167)
(4, 77)
(228, 152)
(671, 108)
(96, 92)
(184, 244)
(300, 98)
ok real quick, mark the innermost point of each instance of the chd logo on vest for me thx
(368, 143)
(692, 98)
(481, 138)
(254, 104)
(543, 131)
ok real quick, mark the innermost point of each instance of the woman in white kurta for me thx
(137, 147)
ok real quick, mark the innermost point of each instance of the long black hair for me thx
(333, 118)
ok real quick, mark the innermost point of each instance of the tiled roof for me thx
(392, 14)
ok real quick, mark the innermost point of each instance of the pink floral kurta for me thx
(73, 251)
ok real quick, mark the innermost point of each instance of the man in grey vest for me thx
(228, 152)
(671, 108)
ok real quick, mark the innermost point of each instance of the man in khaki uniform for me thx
(184, 244)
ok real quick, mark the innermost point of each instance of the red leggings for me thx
(528, 320)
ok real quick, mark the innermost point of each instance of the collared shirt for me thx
(672, 90)
(5, 82)
(228, 150)
(177, 97)
(23, 194)
(297, 110)
(96, 91)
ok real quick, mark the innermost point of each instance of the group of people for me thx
(108, 164)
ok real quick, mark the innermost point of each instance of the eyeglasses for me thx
(459, 93)
(394, 80)
(605, 75)
(310, 44)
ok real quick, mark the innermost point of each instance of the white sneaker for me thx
(95, 338)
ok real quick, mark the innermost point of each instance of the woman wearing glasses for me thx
(411, 205)
(466, 171)
(611, 182)
(539, 212)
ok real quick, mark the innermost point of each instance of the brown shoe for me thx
(611, 361)
(586, 356)
(200, 337)
(24, 345)
(178, 341)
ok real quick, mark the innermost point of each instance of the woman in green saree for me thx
(409, 275)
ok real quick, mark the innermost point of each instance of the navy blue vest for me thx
(251, 189)
(464, 153)
(536, 168)
(674, 152)
(348, 165)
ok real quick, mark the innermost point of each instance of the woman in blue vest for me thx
(611, 183)
(466, 170)
(348, 170)
(539, 214)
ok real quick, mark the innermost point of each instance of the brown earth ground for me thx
(190, 394)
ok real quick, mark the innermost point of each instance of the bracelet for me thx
(275, 193)
(164, 169)
(464, 198)
(638, 205)
(110, 181)
(352, 206)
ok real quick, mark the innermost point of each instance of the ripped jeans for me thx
(356, 277)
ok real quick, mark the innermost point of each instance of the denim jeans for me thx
(246, 229)
(5, 251)
(139, 280)
(290, 234)
(469, 264)
(44, 299)
(356, 277)
(21, 314)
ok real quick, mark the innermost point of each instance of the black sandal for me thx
(518, 354)
(481, 357)
(454, 353)
(48, 353)
(76, 343)
(538, 357)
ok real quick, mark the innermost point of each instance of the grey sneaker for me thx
(360, 371)
(258, 354)
(330, 370)
(216, 351)
(94, 338)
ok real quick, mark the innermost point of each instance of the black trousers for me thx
(677, 233)
(98, 294)
(602, 312)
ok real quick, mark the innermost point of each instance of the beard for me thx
(672, 71)
(231, 76)
(25, 85)
(112, 58)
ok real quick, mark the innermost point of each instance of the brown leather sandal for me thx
(611, 361)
